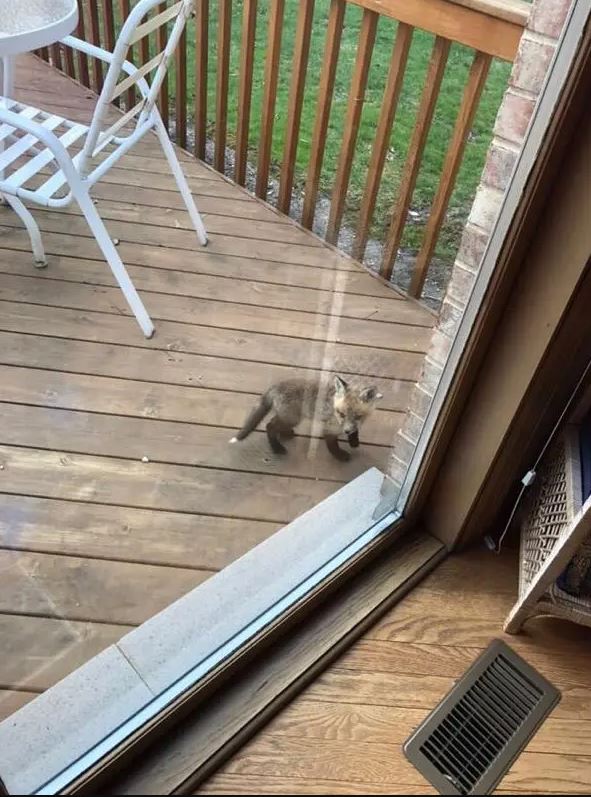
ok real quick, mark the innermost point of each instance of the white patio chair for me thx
(27, 132)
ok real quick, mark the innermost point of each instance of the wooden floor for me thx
(343, 735)
(93, 540)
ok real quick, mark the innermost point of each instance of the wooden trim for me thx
(492, 383)
(516, 11)
(202, 743)
(465, 23)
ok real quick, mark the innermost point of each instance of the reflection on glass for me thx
(282, 366)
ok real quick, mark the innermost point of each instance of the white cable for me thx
(530, 476)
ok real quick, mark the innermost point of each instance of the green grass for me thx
(445, 114)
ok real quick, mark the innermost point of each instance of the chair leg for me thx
(181, 182)
(116, 264)
(34, 234)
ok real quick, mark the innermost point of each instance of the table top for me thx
(28, 24)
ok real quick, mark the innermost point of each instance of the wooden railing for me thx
(491, 28)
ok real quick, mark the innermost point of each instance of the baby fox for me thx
(341, 408)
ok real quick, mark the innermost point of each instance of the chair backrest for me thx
(137, 25)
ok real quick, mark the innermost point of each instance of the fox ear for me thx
(340, 387)
(370, 394)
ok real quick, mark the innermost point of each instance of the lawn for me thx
(445, 114)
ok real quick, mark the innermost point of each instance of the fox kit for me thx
(340, 407)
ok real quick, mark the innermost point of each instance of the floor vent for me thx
(471, 739)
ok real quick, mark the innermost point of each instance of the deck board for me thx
(92, 539)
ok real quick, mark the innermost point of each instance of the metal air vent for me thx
(471, 739)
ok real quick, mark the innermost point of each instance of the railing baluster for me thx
(355, 106)
(490, 34)
(180, 91)
(222, 79)
(44, 53)
(125, 9)
(453, 159)
(56, 56)
(249, 18)
(161, 39)
(69, 59)
(383, 133)
(270, 94)
(145, 47)
(83, 74)
(415, 153)
(201, 62)
(95, 38)
(109, 29)
(109, 25)
(296, 98)
(325, 92)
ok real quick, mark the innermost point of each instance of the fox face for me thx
(352, 405)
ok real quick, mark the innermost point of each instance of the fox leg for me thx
(276, 428)
(332, 443)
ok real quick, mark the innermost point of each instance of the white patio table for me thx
(27, 25)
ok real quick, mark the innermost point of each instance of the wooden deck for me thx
(344, 733)
(93, 541)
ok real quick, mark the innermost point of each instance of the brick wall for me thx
(527, 76)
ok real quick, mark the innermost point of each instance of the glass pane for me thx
(296, 352)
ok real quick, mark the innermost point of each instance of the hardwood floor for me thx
(93, 540)
(343, 734)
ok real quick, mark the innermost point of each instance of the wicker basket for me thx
(551, 534)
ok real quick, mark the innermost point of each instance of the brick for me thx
(499, 166)
(485, 207)
(430, 375)
(461, 283)
(472, 247)
(412, 426)
(513, 117)
(403, 448)
(531, 64)
(548, 17)
(397, 470)
(420, 401)
(449, 318)
(440, 346)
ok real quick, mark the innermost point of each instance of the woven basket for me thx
(555, 500)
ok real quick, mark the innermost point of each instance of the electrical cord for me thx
(530, 476)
